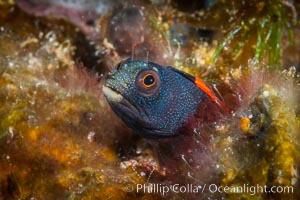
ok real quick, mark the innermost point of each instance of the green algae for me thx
(255, 28)
(280, 146)
(274, 156)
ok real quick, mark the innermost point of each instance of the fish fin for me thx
(201, 85)
(204, 87)
(184, 74)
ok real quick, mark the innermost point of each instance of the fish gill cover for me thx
(59, 138)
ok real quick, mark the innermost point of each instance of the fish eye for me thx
(147, 83)
(149, 80)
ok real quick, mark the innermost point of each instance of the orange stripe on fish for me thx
(200, 84)
(203, 86)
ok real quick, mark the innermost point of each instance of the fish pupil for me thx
(149, 80)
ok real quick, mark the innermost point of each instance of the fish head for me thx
(153, 100)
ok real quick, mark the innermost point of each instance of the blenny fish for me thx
(158, 101)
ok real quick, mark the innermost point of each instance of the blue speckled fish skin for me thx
(153, 116)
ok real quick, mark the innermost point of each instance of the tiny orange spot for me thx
(245, 124)
(33, 135)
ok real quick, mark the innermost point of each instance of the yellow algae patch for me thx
(108, 155)
(34, 134)
(230, 175)
(110, 192)
(69, 153)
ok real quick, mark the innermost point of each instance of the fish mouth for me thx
(111, 94)
(120, 104)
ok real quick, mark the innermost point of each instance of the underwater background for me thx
(59, 138)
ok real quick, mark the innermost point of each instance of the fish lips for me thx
(124, 108)
(131, 114)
